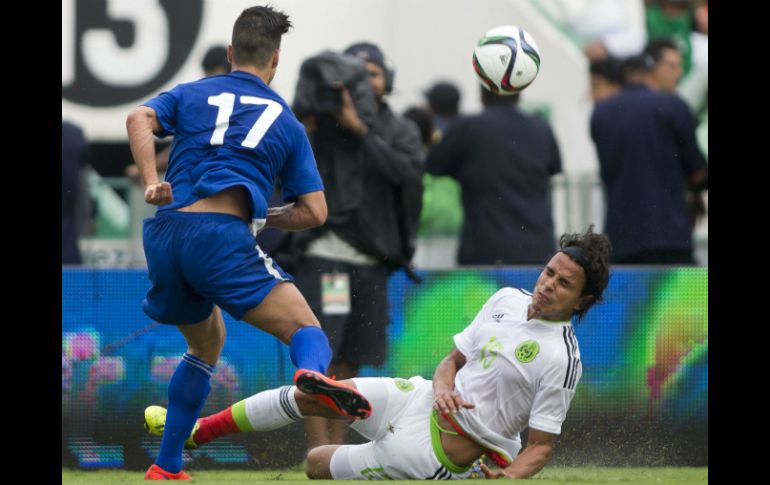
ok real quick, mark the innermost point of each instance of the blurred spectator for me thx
(648, 157)
(442, 214)
(444, 103)
(606, 78)
(664, 76)
(603, 27)
(372, 163)
(694, 87)
(424, 120)
(74, 192)
(672, 19)
(215, 61)
(666, 61)
(504, 159)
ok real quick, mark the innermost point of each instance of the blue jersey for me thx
(231, 130)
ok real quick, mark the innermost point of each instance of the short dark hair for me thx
(257, 34)
(635, 65)
(444, 98)
(608, 68)
(654, 48)
(215, 57)
(596, 248)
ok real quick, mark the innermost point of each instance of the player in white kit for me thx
(514, 367)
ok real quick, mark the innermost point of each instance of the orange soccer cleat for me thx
(341, 398)
(157, 473)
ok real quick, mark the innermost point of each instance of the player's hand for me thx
(490, 474)
(450, 402)
(158, 194)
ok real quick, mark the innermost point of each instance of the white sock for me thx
(269, 410)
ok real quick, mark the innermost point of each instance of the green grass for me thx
(625, 476)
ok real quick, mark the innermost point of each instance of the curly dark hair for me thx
(596, 248)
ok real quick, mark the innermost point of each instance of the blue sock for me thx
(309, 349)
(187, 393)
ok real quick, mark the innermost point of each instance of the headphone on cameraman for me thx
(371, 53)
(390, 73)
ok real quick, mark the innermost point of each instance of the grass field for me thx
(626, 476)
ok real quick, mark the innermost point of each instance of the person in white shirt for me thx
(514, 367)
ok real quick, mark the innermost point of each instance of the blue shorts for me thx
(198, 259)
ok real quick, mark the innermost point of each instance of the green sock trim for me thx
(239, 416)
(435, 441)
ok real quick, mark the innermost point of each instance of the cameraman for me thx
(372, 165)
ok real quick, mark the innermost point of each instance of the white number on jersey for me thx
(225, 103)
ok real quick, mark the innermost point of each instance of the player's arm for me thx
(307, 212)
(530, 461)
(161, 161)
(446, 399)
(142, 124)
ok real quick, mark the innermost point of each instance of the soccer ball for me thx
(506, 60)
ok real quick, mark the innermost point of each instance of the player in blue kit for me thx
(233, 136)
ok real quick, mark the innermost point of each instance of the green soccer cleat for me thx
(155, 422)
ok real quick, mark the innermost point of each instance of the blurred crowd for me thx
(486, 178)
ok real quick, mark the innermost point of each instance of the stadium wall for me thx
(642, 401)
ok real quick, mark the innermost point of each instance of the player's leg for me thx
(318, 465)
(224, 265)
(401, 445)
(245, 282)
(264, 411)
(172, 300)
(320, 431)
(285, 314)
(324, 284)
(364, 338)
(189, 387)
(345, 462)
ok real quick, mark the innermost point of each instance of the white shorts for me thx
(399, 430)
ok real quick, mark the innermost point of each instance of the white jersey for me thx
(518, 373)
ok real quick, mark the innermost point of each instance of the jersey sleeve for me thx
(165, 106)
(299, 174)
(465, 341)
(554, 395)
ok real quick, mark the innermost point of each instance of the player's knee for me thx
(318, 463)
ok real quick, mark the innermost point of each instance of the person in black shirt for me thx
(648, 156)
(503, 159)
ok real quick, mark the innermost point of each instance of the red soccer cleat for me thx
(341, 398)
(157, 473)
